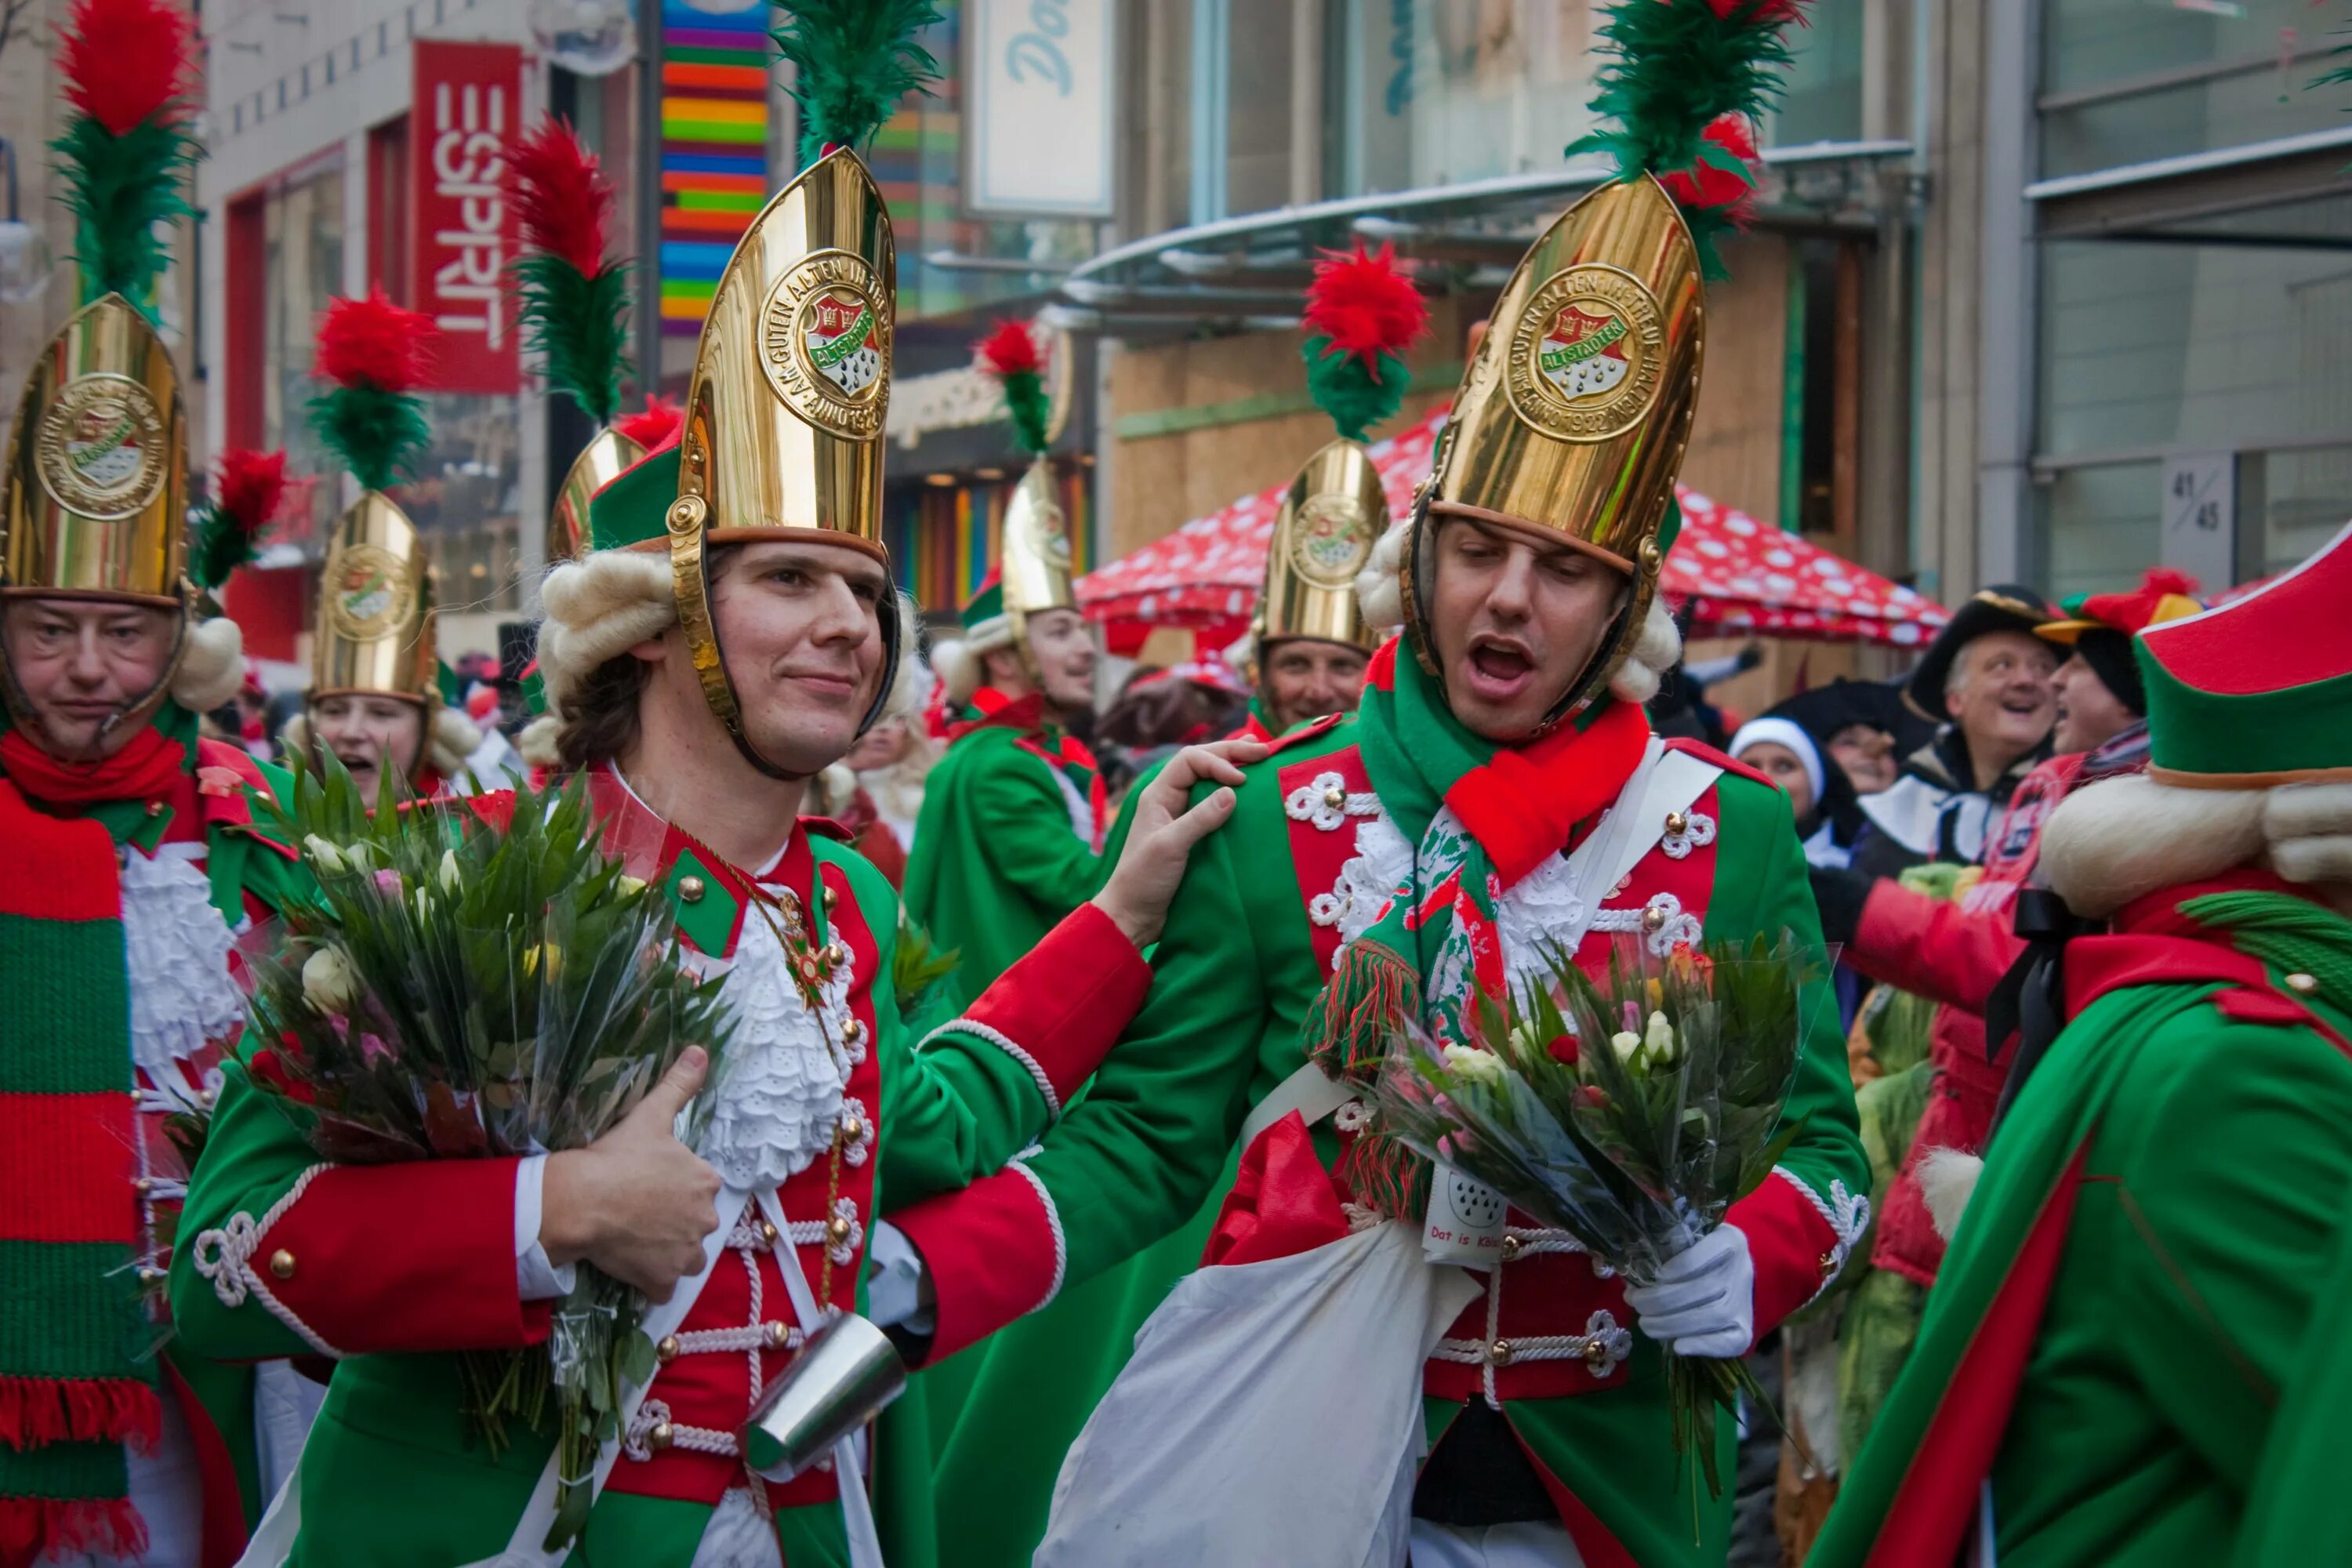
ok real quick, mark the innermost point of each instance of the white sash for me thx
(1665, 782)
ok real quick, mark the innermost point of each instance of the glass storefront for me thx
(302, 268)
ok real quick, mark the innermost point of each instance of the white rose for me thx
(630, 886)
(328, 982)
(1472, 1062)
(1658, 1041)
(325, 856)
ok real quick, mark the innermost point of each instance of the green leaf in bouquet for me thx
(639, 1360)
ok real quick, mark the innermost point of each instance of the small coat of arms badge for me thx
(1584, 358)
(102, 448)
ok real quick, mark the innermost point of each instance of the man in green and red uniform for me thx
(2126, 1299)
(129, 865)
(704, 659)
(1493, 739)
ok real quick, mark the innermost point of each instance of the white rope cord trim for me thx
(1602, 1348)
(1005, 1043)
(224, 1257)
(1053, 1220)
(637, 1442)
(1847, 1214)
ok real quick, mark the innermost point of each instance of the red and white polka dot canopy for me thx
(1744, 577)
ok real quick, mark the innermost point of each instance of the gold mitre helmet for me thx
(1574, 411)
(784, 411)
(375, 633)
(1335, 512)
(605, 458)
(96, 484)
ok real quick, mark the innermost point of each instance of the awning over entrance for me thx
(1740, 576)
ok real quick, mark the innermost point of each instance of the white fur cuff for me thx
(2310, 831)
(2123, 838)
(452, 739)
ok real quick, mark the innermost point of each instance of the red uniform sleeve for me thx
(402, 1257)
(1933, 947)
(993, 1251)
(1797, 1247)
(1061, 1008)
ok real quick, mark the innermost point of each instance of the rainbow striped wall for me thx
(714, 148)
(943, 540)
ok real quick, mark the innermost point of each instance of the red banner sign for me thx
(466, 106)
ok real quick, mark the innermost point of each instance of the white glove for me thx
(2309, 828)
(1704, 1303)
(895, 1288)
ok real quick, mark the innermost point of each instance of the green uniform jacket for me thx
(1246, 949)
(999, 852)
(2126, 1301)
(395, 1267)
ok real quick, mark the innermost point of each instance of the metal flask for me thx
(843, 1377)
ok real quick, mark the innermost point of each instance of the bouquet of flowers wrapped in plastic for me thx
(1631, 1111)
(473, 983)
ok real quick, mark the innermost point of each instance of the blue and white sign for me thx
(1038, 105)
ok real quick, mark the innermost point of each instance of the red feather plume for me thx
(124, 61)
(1704, 185)
(252, 487)
(1011, 350)
(1365, 305)
(373, 343)
(656, 427)
(2169, 580)
(561, 195)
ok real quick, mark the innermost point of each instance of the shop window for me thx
(466, 500)
(286, 262)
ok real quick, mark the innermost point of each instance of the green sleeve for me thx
(1136, 1154)
(2231, 1194)
(1827, 1155)
(955, 1107)
(252, 1154)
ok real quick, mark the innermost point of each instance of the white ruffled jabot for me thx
(176, 952)
(778, 1098)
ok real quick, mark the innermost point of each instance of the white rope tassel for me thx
(224, 1257)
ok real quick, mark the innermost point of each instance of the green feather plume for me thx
(578, 325)
(1677, 68)
(377, 433)
(120, 191)
(852, 61)
(1349, 391)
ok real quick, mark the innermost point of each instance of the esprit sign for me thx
(1040, 79)
(467, 105)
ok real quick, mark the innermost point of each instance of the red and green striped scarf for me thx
(78, 1373)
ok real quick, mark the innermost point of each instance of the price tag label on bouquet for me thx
(1466, 1221)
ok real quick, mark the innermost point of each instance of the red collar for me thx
(998, 711)
(650, 846)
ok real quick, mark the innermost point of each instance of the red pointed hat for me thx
(2163, 594)
(2259, 691)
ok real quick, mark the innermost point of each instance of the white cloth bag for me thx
(1272, 1414)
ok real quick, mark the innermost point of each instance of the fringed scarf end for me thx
(37, 1411)
(1373, 996)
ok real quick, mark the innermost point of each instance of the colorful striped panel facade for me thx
(941, 540)
(714, 148)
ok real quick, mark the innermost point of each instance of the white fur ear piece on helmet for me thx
(450, 740)
(1654, 652)
(2116, 840)
(2310, 831)
(598, 608)
(294, 740)
(212, 666)
(967, 672)
(906, 698)
(1380, 587)
(537, 745)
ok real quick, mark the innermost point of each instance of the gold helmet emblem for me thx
(1334, 513)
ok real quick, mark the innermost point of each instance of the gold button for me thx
(1499, 1352)
(853, 1031)
(1512, 1248)
(149, 1275)
(689, 889)
(2303, 984)
(665, 1350)
(1676, 821)
(1335, 798)
(204, 1097)
(835, 952)
(836, 1229)
(1596, 1352)
(1652, 918)
(143, 1186)
(829, 897)
(775, 1334)
(154, 808)
(658, 1439)
(767, 1233)
(282, 1263)
(852, 1130)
